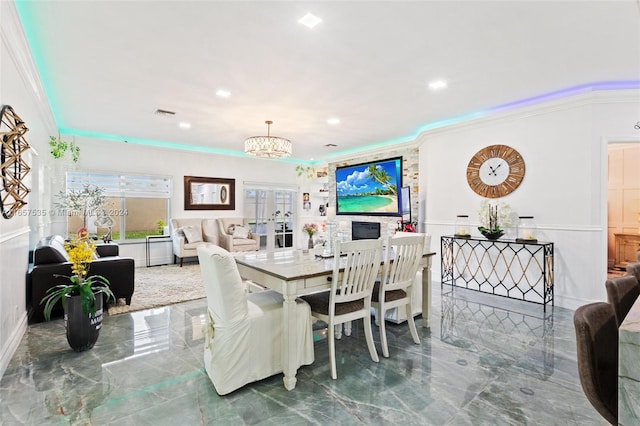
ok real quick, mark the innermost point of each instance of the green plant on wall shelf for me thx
(308, 171)
(59, 147)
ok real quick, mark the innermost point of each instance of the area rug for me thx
(162, 285)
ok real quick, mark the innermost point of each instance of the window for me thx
(136, 206)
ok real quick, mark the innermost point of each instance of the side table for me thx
(148, 242)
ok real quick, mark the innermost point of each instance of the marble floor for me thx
(486, 360)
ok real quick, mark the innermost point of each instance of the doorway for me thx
(270, 214)
(623, 205)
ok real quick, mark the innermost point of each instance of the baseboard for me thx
(12, 344)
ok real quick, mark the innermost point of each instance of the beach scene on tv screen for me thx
(368, 188)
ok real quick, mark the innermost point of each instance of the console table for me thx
(149, 240)
(509, 268)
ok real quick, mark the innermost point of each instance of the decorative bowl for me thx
(492, 235)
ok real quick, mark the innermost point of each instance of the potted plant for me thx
(310, 229)
(492, 217)
(160, 224)
(85, 201)
(82, 297)
(59, 148)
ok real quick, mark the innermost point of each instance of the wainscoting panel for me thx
(14, 258)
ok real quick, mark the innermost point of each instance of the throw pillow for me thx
(192, 234)
(241, 232)
(231, 229)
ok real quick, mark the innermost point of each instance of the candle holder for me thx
(462, 226)
(527, 230)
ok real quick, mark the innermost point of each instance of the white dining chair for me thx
(403, 255)
(350, 296)
(243, 334)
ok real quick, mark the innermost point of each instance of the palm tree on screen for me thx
(380, 175)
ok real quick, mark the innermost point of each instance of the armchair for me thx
(231, 240)
(201, 231)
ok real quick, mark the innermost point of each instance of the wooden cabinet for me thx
(627, 247)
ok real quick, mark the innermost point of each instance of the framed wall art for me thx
(205, 193)
(13, 165)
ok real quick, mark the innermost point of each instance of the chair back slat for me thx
(403, 256)
(361, 266)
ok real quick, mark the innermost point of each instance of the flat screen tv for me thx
(369, 188)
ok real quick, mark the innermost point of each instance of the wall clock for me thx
(495, 171)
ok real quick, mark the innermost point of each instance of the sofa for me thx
(50, 259)
(188, 233)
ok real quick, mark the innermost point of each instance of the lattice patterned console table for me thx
(508, 268)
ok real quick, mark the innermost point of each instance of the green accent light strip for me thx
(31, 32)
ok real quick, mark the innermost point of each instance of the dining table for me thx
(294, 273)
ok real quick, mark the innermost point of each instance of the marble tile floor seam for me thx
(485, 361)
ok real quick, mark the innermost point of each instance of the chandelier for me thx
(268, 146)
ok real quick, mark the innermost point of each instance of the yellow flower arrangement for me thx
(81, 252)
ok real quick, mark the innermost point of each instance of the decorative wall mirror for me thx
(203, 193)
(13, 167)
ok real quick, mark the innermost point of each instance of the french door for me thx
(270, 214)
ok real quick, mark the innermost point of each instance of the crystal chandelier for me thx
(268, 146)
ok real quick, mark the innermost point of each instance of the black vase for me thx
(82, 328)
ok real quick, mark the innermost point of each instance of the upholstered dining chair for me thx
(633, 268)
(597, 351)
(243, 340)
(622, 293)
(402, 258)
(350, 296)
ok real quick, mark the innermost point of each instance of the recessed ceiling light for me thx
(333, 121)
(223, 93)
(437, 84)
(184, 125)
(309, 20)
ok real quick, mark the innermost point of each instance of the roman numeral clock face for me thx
(495, 171)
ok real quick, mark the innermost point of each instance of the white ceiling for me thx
(108, 65)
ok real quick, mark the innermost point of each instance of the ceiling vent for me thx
(330, 145)
(164, 112)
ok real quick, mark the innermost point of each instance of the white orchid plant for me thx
(494, 217)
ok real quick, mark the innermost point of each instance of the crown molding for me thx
(588, 98)
(15, 43)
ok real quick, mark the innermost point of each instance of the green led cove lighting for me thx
(31, 33)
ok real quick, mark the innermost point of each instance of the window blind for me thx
(127, 186)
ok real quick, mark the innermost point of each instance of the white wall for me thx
(563, 143)
(120, 157)
(564, 187)
(19, 88)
